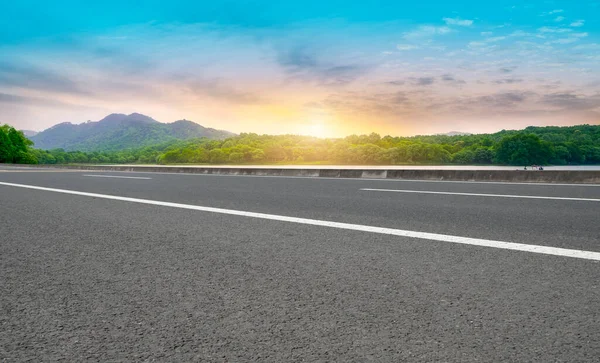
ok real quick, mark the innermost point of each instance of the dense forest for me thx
(15, 147)
(533, 145)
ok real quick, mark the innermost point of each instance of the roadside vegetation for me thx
(533, 145)
(15, 147)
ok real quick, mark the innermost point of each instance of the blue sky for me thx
(326, 68)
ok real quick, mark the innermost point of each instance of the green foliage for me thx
(15, 147)
(534, 145)
(524, 149)
(119, 132)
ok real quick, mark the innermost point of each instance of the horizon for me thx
(456, 132)
(318, 69)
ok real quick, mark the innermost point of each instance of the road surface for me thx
(172, 267)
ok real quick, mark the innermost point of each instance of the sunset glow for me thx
(314, 68)
(317, 129)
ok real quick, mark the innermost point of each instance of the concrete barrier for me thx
(527, 176)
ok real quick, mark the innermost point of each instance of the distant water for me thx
(388, 167)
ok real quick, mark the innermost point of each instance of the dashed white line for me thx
(564, 252)
(480, 194)
(117, 176)
(535, 184)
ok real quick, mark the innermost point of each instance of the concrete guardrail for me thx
(528, 176)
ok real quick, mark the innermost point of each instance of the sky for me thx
(323, 68)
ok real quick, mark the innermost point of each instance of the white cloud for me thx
(573, 37)
(485, 42)
(592, 46)
(458, 21)
(476, 44)
(578, 23)
(440, 48)
(558, 19)
(519, 33)
(485, 34)
(564, 41)
(555, 11)
(405, 47)
(426, 31)
(547, 29)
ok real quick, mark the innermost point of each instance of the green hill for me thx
(119, 132)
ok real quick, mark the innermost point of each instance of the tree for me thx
(6, 148)
(464, 156)
(236, 158)
(483, 155)
(257, 155)
(535, 145)
(523, 149)
(275, 152)
(15, 147)
(218, 156)
(369, 153)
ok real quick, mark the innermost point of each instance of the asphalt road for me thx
(89, 278)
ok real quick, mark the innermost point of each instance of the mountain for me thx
(119, 131)
(29, 133)
(455, 133)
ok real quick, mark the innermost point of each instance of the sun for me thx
(316, 129)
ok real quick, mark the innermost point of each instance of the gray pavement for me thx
(93, 279)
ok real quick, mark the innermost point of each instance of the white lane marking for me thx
(340, 179)
(587, 255)
(363, 179)
(23, 170)
(479, 194)
(116, 176)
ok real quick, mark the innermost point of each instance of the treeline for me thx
(15, 147)
(533, 145)
(144, 155)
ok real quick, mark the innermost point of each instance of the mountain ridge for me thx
(29, 133)
(455, 133)
(119, 131)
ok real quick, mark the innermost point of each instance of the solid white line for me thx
(587, 255)
(480, 194)
(116, 176)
